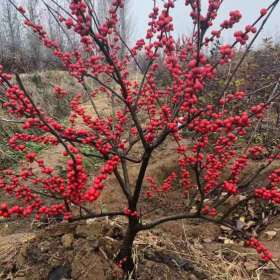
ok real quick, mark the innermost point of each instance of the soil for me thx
(86, 250)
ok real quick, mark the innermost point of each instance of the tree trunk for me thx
(124, 257)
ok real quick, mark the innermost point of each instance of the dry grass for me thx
(212, 264)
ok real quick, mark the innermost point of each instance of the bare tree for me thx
(34, 46)
(125, 28)
(24, 47)
(10, 31)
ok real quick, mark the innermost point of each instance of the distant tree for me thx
(125, 28)
(10, 30)
(33, 46)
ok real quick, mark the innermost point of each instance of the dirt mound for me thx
(86, 251)
(65, 251)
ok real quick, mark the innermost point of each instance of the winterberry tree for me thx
(143, 116)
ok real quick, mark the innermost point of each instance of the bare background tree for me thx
(33, 42)
(20, 49)
(125, 27)
(10, 33)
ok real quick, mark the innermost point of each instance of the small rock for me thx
(67, 240)
(91, 231)
(242, 219)
(192, 277)
(207, 240)
(193, 210)
(59, 273)
(228, 241)
(19, 274)
(269, 235)
(90, 221)
(226, 229)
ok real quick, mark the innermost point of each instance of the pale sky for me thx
(249, 9)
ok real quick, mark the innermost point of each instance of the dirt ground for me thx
(85, 251)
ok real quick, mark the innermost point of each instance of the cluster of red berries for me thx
(265, 254)
(256, 151)
(60, 92)
(234, 17)
(239, 165)
(230, 187)
(272, 195)
(98, 182)
(122, 262)
(259, 110)
(76, 179)
(213, 167)
(21, 10)
(18, 140)
(131, 213)
(153, 187)
(241, 37)
(51, 211)
(17, 103)
(227, 53)
(167, 184)
(207, 210)
(274, 177)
